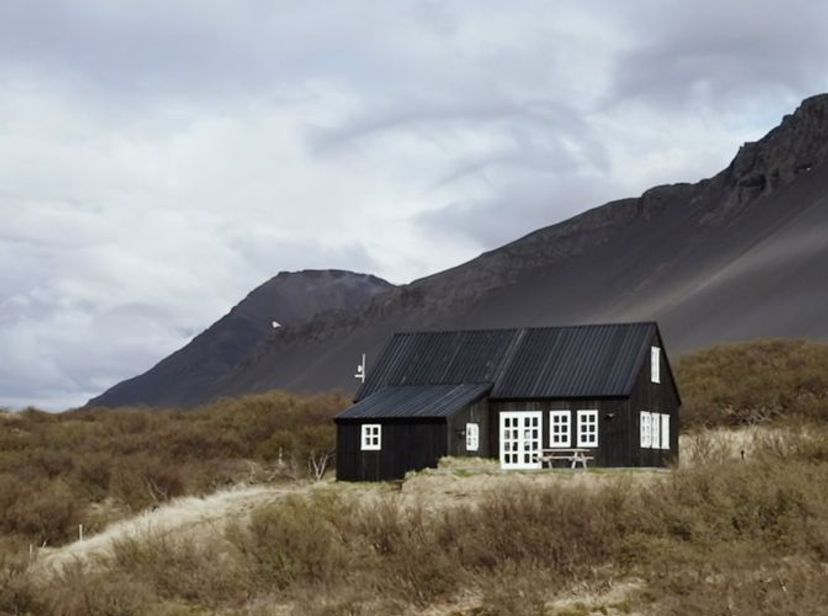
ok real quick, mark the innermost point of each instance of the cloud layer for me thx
(158, 160)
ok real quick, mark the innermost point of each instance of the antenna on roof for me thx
(360, 373)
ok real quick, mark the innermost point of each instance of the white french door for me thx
(520, 439)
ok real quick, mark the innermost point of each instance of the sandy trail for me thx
(455, 483)
(181, 514)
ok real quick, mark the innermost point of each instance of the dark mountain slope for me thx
(741, 255)
(290, 299)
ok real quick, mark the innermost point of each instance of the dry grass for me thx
(91, 467)
(721, 537)
(753, 383)
(725, 533)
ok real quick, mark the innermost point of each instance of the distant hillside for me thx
(289, 299)
(754, 382)
(739, 256)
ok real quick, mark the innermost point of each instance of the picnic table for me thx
(574, 455)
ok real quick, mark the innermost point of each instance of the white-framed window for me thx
(665, 431)
(655, 430)
(655, 364)
(371, 437)
(646, 430)
(560, 431)
(588, 428)
(520, 441)
(472, 437)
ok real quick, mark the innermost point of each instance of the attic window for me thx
(371, 437)
(655, 364)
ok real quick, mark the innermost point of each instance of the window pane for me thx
(370, 437)
(587, 428)
(646, 427)
(472, 437)
(655, 364)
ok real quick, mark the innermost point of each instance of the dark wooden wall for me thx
(413, 444)
(619, 437)
(476, 413)
(655, 398)
(406, 445)
(613, 425)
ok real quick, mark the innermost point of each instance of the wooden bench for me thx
(575, 456)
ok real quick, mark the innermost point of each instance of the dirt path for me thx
(459, 482)
(181, 514)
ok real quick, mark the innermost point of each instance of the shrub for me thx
(754, 382)
(17, 592)
(77, 591)
(291, 541)
(190, 569)
(47, 513)
(54, 466)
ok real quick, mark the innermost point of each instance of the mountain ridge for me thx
(286, 300)
(659, 256)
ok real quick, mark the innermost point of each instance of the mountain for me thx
(741, 255)
(289, 299)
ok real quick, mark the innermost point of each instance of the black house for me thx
(517, 395)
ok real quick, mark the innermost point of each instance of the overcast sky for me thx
(159, 159)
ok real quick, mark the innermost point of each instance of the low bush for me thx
(54, 468)
(724, 535)
(294, 541)
(754, 382)
(712, 539)
(18, 593)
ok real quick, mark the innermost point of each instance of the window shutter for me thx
(646, 426)
(472, 437)
(665, 432)
(655, 430)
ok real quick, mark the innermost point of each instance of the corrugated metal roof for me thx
(442, 358)
(424, 401)
(576, 362)
(543, 362)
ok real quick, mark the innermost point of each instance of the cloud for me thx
(158, 161)
(741, 54)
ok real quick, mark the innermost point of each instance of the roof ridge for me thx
(412, 332)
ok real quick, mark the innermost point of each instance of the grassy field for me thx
(217, 512)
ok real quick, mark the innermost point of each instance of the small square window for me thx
(371, 437)
(588, 428)
(561, 432)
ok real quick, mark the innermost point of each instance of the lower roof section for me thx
(417, 401)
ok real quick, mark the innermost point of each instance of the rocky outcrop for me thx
(798, 145)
